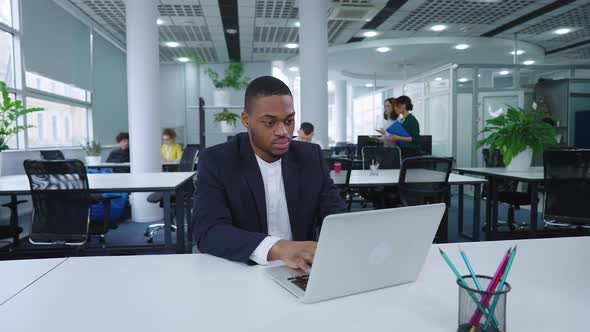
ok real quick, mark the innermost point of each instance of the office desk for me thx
(390, 177)
(167, 183)
(203, 293)
(532, 176)
(18, 274)
(126, 166)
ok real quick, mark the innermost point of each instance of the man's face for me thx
(270, 121)
(124, 144)
(305, 137)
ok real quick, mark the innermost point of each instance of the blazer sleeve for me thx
(330, 200)
(177, 152)
(213, 230)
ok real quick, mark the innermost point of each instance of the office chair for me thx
(425, 180)
(507, 191)
(346, 171)
(362, 141)
(187, 164)
(567, 188)
(388, 157)
(61, 201)
(327, 153)
(52, 155)
(425, 148)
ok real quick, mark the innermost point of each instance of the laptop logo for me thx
(380, 253)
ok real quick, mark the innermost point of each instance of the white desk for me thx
(104, 164)
(201, 293)
(165, 182)
(18, 274)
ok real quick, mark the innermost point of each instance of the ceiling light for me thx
(504, 72)
(463, 79)
(293, 68)
(297, 24)
(370, 34)
(183, 59)
(438, 79)
(438, 27)
(383, 49)
(172, 44)
(369, 85)
(461, 46)
(159, 21)
(528, 62)
(562, 31)
(298, 77)
(518, 52)
(231, 31)
(292, 45)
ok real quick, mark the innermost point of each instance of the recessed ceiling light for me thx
(504, 72)
(383, 49)
(562, 31)
(438, 27)
(369, 85)
(172, 44)
(231, 31)
(438, 79)
(298, 77)
(293, 68)
(183, 59)
(461, 46)
(292, 45)
(528, 62)
(518, 52)
(370, 34)
(463, 79)
(297, 24)
(159, 21)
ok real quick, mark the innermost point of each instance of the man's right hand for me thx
(296, 254)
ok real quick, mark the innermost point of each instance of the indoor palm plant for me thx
(10, 111)
(232, 79)
(93, 149)
(226, 119)
(517, 133)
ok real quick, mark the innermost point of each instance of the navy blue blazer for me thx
(229, 212)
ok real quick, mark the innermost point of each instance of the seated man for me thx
(120, 155)
(261, 196)
(305, 134)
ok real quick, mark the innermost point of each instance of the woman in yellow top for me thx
(171, 151)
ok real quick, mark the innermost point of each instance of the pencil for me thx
(501, 286)
(464, 284)
(470, 269)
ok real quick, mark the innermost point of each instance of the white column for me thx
(143, 76)
(313, 63)
(341, 106)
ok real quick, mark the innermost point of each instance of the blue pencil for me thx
(470, 269)
(501, 286)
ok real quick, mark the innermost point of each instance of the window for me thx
(6, 58)
(367, 114)
(45, 84)
(67, 125)
(6, 12)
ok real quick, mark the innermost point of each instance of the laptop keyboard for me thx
(300, 281)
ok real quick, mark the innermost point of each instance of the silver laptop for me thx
(362, 251)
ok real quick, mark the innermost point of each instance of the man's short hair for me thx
(265, 86)
(122, 136)
(307, 128)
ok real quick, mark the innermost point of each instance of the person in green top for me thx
(403, 106)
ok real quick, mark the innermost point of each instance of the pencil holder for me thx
(470, 317)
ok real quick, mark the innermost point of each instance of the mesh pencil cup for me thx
(467, 305)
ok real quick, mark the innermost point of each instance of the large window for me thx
(6, 59)
(367, 114)
(6, 12)
(59, 125)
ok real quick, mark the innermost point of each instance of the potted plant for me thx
(93, 150)
(10, 111)
(517, 134)
(227, 120)
(232, 79)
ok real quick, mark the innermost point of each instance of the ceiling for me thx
(264, 27)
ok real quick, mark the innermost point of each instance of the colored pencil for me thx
(474, 321)
(470, 269)
(501, 286)
(464, 284)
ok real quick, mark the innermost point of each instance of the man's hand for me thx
(296, 254)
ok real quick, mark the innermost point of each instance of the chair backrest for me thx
(52, 155)
(388, 157)
(346, 171)
(61, 201)
(426, 144)
(362, 141)
(327, 153)
(567, 185)
(424, 180)
(187, 161)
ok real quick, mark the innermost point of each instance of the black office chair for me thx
(567, 187)
(61, 201)
(327, 153)
(187, 164)
(52, 155)
(362, 141)
(388, 157)
(507, 191)
(346, 171)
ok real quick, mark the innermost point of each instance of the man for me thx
(305, 133)
(262, 197)
(120, 155)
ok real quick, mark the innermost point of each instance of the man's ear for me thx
(245, 120)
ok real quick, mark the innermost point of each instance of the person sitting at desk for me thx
(306, 133)
(171, 151)
(403, 106)
(120, 155)
(262, 196)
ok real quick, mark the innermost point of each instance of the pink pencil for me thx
(491, 287)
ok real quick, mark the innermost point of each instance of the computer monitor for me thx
(362, 141)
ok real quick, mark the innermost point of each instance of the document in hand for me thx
(396, 128)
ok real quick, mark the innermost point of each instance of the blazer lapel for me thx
(291, 182)
(254, 180)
